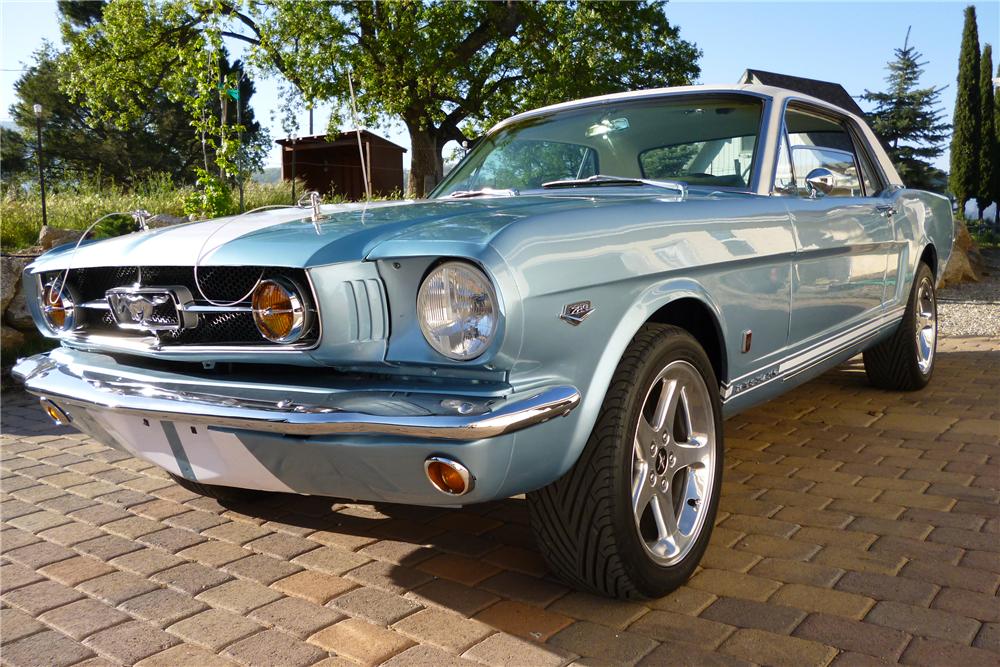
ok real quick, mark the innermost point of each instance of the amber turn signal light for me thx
(448, 476)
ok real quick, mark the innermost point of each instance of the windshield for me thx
(695, 140)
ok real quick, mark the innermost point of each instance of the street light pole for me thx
(41, 170)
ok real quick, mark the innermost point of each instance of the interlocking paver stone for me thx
(260, 568)
(45, 648)
(850, 635)
(214, 628)
(17, 624)
(295, 616)
(162, 606)
(273, 648)
(239, 596)
(191, 578)
(130, 642)
(443, 629)
(770, 649)
(375, 605)
(117, 587)
(83, 618)
(37, 598)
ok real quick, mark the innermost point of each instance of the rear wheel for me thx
(905, 361)
(222, 493)
(633, 516)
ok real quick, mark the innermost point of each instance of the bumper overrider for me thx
(362, 444)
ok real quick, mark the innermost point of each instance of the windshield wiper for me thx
(485, 192)
(603, 179)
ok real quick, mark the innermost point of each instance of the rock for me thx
(966, 263)
(51, 237)
(10, 339)
(164, 220)
(17, 314)
(10, 278)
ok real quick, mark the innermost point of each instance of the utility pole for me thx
(239, 137)
(293, 138)
(41, 169)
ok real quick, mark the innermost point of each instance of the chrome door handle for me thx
(886, 210)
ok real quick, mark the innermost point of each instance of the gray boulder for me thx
(51, 237)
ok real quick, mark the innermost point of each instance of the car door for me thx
(843, 229)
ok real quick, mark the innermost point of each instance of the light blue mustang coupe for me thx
(571, 314)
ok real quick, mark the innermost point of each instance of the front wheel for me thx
(633, 517)
(905, 360)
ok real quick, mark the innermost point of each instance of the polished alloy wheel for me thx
(926, 325)
(673, 463)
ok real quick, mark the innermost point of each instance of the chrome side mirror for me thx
(819, 181)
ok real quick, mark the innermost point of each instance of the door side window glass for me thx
(819, 143)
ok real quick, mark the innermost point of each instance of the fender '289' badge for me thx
(575, 313)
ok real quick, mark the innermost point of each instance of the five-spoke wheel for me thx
(673, 462)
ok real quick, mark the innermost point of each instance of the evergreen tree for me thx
(964, 178)
(995, 186)
(987, 146)
(908, 119)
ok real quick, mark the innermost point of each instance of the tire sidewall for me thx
(650, 578)
(921, 378)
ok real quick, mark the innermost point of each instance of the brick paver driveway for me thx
(857, 526)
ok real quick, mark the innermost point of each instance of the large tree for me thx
(80, 144)
(445, 69)
(964, 177)
(908, 119)
(988, 166)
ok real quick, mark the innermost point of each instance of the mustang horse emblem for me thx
(135, 310)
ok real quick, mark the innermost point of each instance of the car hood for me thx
(345, 232)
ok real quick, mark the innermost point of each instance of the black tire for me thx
(895, 363)
(225, 494)
(584, 522)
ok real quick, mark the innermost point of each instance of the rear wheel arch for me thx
(929, 257)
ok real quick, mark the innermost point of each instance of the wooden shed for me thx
(332, 165)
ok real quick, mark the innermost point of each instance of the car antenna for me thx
(361, 152)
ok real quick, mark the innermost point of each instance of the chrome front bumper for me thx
(90, 381)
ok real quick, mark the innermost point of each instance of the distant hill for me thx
(269, 175)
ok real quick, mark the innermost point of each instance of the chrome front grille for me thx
(210, 324)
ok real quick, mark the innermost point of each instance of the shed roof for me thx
(833, 93)
(340, 139)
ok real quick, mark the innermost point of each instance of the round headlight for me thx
(457, 310)
(279, 310)
(58, 305)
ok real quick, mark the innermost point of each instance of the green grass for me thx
(78, 207)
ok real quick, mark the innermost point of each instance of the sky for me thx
(845, 42)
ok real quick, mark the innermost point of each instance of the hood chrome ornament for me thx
(576, 313)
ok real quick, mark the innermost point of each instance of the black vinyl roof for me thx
(833, 93)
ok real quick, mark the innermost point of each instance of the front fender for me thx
(589, 354)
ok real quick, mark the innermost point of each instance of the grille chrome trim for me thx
(104, 336)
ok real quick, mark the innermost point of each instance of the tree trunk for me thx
(426, 164)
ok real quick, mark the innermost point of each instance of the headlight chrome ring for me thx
(457, 310)
(280, 310)
(57, 302)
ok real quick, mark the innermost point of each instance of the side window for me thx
(817, 142)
